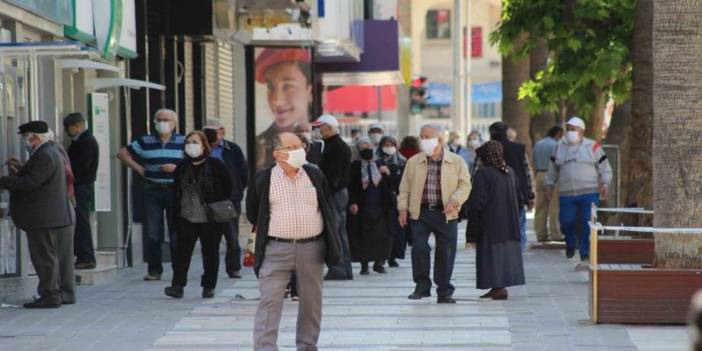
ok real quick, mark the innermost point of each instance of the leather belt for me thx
(296, 241)
(433, 208)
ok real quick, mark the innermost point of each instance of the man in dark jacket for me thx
(39, 206)
(289, 207)
(84, 154)
(336, 162)
(235, 162)
(515, 157)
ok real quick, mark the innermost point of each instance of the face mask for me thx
(296, 158)
(367, 154)
(376, 137)
(573, 137)
(193, 150)
(428, 145)
(316, 134)
(390, 150)
(474, 143)
(163, 127)
(29, 147)
(211, 135)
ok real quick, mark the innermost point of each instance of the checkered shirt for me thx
(432, 187)
(295, 213)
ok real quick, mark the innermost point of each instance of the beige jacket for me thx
(455, 183)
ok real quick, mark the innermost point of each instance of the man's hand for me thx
(384, 170)
(168, 168)
(451, 209)
(604, 190)
(530, 205)
(354, 209)
(403, 218)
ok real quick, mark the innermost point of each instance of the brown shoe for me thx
(85, 265)
(500, 294)
(489, 294)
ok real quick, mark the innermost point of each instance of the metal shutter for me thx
(225, 76)
(210, 61)
(188, 86)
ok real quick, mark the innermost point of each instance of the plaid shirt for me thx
(432, 187)
(295, 213)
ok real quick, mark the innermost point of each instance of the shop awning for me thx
(106, 83)
(46, 48)
(359, 99)
(87, 64)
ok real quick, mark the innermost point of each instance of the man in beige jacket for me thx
(435, 184)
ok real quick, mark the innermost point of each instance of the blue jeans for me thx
(157, 199)
(575, 212)
(522, 227)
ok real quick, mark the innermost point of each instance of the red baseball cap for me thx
(272, 56)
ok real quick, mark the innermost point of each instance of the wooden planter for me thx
(638, 295)
(625, 250)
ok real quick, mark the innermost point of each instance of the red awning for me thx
(360, 98)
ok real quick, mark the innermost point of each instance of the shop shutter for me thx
(226, 87)
(189, 96)
(210, 95)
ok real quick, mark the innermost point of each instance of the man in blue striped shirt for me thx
(160, 154)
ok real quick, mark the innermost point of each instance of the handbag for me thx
(221, 211)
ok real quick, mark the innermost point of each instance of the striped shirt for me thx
(295, 212)
(155, 154)
(432, 187)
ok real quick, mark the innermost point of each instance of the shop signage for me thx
(59, 11)
(82, 26)
(115, 27)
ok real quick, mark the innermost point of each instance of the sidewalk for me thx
(368, 313)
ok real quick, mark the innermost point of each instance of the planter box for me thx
(625, 250)
(638, 295)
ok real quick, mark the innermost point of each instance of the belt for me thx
(541, 170)
(433, 208)
(162, 185)
(296, 241)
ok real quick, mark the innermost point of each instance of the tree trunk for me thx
(542, 122)
(677, 132)
(596, 120)
(515, 71)
(639, 178)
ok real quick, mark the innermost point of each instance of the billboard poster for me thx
(283, 92)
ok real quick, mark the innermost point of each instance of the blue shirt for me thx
(543, 150)
(155, 154)
(218, 150)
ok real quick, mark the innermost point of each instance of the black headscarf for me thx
(491, 154)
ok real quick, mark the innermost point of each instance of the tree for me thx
(589, 45)
(543, 121)
(515, 71)
(677, 132)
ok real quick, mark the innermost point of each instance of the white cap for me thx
(376, 126)
(212, 123)
(576, 122)
(326, 119)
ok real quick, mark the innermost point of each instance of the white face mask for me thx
(376, 137)
(316, 135)
(390, 150)
(163, 127)
(296, 158)
(429, 145)
(193, 150)
(474, 143)
(573, 137)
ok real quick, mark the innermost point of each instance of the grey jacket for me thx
(578, 169)
(38, 197)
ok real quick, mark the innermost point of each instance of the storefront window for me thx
(60, 11)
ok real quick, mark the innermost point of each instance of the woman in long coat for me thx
(388, 155)
(371, 205)
(493, 224)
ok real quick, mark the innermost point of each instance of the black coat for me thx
(235, 163)
(493, 208)
(84, 154)
(336, 160)
(218, 185)
(258, 212)
(515, 157)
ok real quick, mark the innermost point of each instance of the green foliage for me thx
(589, 44)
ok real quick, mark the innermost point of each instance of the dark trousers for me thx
(232, 259)
(157, 199)
(446, 235)
(343, 268)
(51, 252)
(83, 239)
(210, 235)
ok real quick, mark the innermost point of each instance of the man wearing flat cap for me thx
(39, 206)
(286, 74)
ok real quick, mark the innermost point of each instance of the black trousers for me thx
(232, 260)
(83, 239)
(445, 233)
(210, 235)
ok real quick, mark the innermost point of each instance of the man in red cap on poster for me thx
(286, 74)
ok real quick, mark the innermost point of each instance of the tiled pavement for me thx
(369, 313)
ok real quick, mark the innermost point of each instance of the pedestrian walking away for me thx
(546, 212)
(434, 186)
(161, 153)
(389, 156)
(582, 173)
(493, 224)
(84, 154)
(40, 207)
(371, 210)
(335, 164)
(290, 207)
(234, 161)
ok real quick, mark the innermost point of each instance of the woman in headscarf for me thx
(493, 224)
(388, 155)
(372, 205)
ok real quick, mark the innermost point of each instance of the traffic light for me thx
(418, 95)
